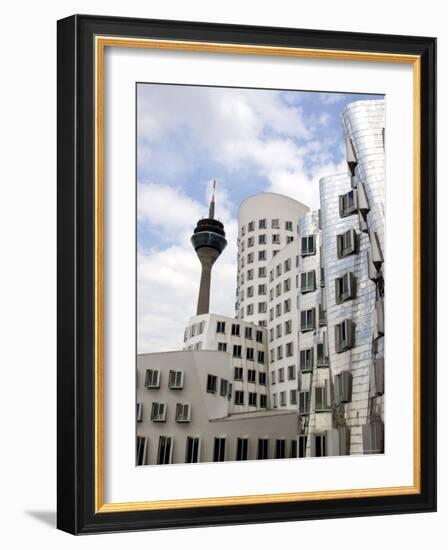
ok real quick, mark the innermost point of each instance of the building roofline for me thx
(274, 194)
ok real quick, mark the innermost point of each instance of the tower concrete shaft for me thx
(207, 256)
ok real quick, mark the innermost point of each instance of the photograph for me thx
(260, 245)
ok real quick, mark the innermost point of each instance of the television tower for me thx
(209, 240)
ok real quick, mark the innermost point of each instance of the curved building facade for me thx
(267, 222)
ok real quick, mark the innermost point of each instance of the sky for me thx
(250, 141)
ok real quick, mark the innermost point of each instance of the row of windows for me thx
(279, 374)
(264, 449)
(262, 255)
(175, 379)
(263, 224)
(280, 329)
(159, 412)
(280, 309)
(280, 399)
(280, 268)
(249, 332)
(237, 352)
(263, 239)
(194, 330)
(277, 353)
(322, 401)
(250, 274)
(238, 374)
(262, 307)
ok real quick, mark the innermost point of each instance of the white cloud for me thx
(229, 127)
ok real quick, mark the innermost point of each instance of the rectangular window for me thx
(278, 330)
(139, 412)
(250, 291)
(259, 336)
(345, 287)
(278, 310)
(250, 309)
(263, 401)
(278, 289)
(293, 397)
(293, 449)
(176, 379)
(158, 412)
(248, 333)
(286, 285)
(262, 239)
(222, 346)
(308, 281)
(306, 359)
(288, 226)
(239, 397)
(274, 400)
(241, 448)
(376, 376)
(320, 445)
(262, 255)
(262, 378)
(348, 204)
(273, 379)
(251, 375)
(344, 333)
(250, 258)
(152, 378)
(288, 327)
(278, 270)
(262, 307)
(271, 294)
(235, 330)
(302, 446)
(322, 353)
(250, 241)
(289, 239)
(251, 226)
(262, 224)
(192, 450)
(260, 357)
(272, 355)
(287, 265)
(183, 412)
(219, 449)
(221, 327)
(229, 395)
(261, 272)
(283, 399)
(275, 224)
(279, 352)
(307, 319)
(223, 387)
(308, 245)
(280, 448)
(276, 238)
(252, 399)
(262, 449)
(289, 349)
(271, 275)
(321, 398)
(346, 243)
(211, 383)
(343, 387)
(262, 290)
(250, 354)
(304, 402)
(287, 306)
(141, 450)
(164, 450)
(291, 372)
(250, 274)
(237, 351)
(238, 373)
(281, 374)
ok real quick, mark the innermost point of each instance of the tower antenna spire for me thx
(211, 212)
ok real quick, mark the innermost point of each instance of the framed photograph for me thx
(246, 274)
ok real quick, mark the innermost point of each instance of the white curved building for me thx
(267, 222)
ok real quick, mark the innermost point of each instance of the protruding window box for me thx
(321, 399)
(345, 287)
(308, 245)
(343, 383)
(376, 252)
(152, 379)
(338, 441)
(322, 316)
(379, 317)
(373, 437)
(304, 402)
(176, 380)
(158, 412)
(344, 335)
(376, 377)
(348, 204)
(346, 243)
(306, 360)
(308, 282)
(183, 412)
(322, 359)
(363, 203)
(307, 320)
(318, 445)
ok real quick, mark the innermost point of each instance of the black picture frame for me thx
(76, 480)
